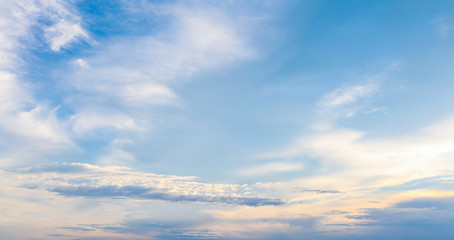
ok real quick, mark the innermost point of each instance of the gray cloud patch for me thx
(429, 203)
(424, 218)
(160, 230)
(317, 191)
(85, 180)
(154, 194)
(77, 229)
(197, 229)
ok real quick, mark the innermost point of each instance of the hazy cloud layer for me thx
(415, 219)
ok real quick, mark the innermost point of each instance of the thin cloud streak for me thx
(270, 168)
(348, 95)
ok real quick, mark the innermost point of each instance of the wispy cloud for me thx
(270, 168)
(121, 82)
(348, 95)
(84, 122)
(59, 23)
(350, 160)
(24, 118)
(117, 84)
(221, 229)
(346, 149)
(443, 25)
(197, 39)
(344, 102)
(65, 27)
(116, 155)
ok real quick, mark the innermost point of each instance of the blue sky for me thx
(226, 119)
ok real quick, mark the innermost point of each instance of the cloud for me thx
(87, 121)
(266, 228)
(119, 84)
(158, 229)
(347, 95)
(349, 151)
(221, 229)
(415, 219)
(77, 229)
(116, 85)
(270, 168)
(62, 33)
(346, 102)
(81, 63)
(364, 168)
(58, 168)
(374, 109)
(444, 182)
(151, 194)
(442, 25)
(85, 180)
(65, 26)
(151, 93)
(21, 116)
(59, 23)
(317, 191)
(116, 155)
(197, 38)
(29, 124)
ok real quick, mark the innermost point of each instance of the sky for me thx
(314, 120)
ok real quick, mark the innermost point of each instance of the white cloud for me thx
(348, 95)
(87, 121)
(65, 26)
(210, 31)
(116, 155)
(349, 161)
(22, 116)
(128, 75)
(344, 102)
(12, 95)
(18, 16)
(62, 33)
(124, 79)
(270, 168)
(81, 63)
(147, 93)
(374, 109)
(197, 38)
(37, 123)
(29, 124)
